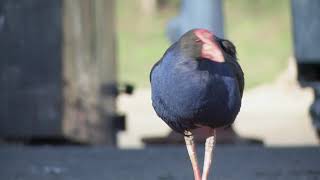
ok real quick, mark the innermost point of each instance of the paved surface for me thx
(156, 163)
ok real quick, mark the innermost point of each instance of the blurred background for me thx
(263, 34)
(76, 72)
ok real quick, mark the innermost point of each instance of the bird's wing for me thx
(159, 61)
(231, 52)
(239, 74)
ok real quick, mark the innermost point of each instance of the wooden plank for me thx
(89, 63)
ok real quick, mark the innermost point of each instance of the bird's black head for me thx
(201, 43)
(190, 45)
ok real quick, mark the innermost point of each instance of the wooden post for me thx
(88, 65)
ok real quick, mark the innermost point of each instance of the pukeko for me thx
(198, 83)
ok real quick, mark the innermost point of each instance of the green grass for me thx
(262, 33)
(141, 42)
(260, 30)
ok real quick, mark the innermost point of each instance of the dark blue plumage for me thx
(190, 91)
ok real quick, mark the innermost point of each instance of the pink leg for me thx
(210, 145)
(193, 155)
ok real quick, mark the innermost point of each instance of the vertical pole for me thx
(88, 65)
(306, 28)
(106, 62)
(207, 14)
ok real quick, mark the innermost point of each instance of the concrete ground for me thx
(156, 163)
(276, 112)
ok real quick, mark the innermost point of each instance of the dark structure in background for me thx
(306, 28)
(30, 67)
(58, 71)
